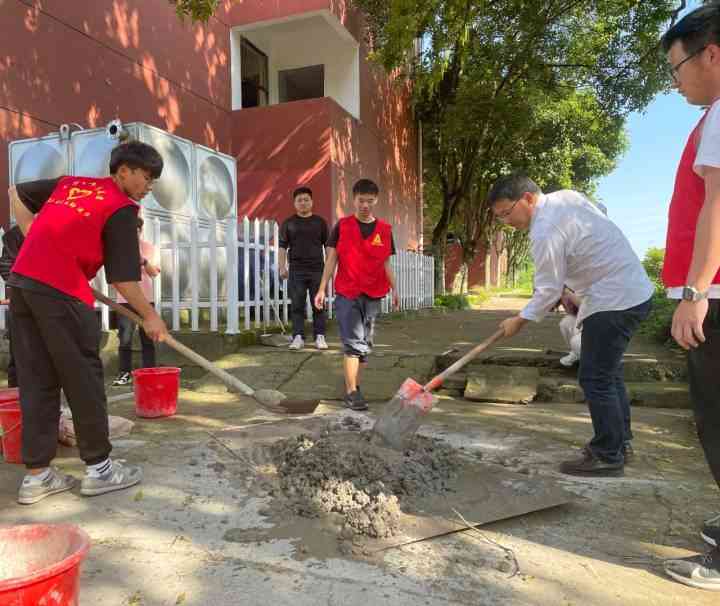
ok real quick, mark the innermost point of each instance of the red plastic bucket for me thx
(11, 425)
(40, 564)
(156, 391)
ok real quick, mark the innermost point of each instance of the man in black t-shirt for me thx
(305, 234)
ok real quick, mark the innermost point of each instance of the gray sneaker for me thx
(56, 482)
(121, 476)
(702, 571)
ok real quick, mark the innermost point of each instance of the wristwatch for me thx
(690, 293)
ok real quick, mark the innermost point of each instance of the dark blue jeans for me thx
(605, 338)
(704, 374)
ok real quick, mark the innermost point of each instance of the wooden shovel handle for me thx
(183, 350)
(436, 381)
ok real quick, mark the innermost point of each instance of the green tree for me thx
(195, 10)
(507, 84)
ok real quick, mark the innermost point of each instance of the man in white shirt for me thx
(574, 244)
(692, 255)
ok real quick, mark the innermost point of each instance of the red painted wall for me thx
(382, 146)
(279, 148)
(90, 62)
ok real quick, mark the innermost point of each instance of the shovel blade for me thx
(402, 415)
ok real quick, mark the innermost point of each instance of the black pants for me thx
(126, 330)
(11, 367)
(299, 284)
(704, 376)
(605, 338)
(57, 344)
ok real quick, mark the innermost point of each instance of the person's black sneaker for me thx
(711, 531)
(701, 571)
(627, 450)
(589, 465)
(355, 401)
(124, 378)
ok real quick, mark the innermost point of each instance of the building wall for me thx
(90, 62)
(306, 42)
(277, 149)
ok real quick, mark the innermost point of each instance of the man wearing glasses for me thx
(692, 255)
(573, 243)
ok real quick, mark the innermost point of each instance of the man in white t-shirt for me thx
(692, 255)
(573, 243)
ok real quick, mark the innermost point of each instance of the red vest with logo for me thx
(64, 247)
(687, 202)
(361, 262)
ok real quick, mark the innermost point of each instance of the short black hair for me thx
(136, 154)
(512, 187)
(366, 187)
(696, 29)
(302, 190)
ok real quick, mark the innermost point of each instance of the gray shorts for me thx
(356, 321)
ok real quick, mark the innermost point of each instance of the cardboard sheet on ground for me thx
(482, 492)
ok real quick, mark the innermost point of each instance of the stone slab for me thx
(513, 384)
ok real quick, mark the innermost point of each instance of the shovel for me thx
(269, 399)
(404, 413)
(274, 339)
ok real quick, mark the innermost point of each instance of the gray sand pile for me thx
(344, 471)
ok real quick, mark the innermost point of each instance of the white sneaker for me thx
(320, 342)
(569, 359)
(297, 343)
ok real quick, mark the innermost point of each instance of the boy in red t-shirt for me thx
(74, 226)
(360, 246)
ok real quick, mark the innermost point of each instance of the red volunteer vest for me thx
(361, 262)
(64, 248)
(687, 202)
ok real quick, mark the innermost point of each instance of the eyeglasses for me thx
(501, 216)
(674, 68)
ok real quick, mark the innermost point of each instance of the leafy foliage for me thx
(502, 85)
(455, 302)
(195, 10)
(659, 322)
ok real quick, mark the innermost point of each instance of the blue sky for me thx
(637, 193)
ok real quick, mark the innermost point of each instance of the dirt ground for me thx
(194, 531)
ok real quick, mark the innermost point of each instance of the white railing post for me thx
(175, 277)
(256, 270)
(194, 276)
(276, 270)
(231, 278)
(267, 270)
(246, 272)
(213, 276)
(102, 286)
(157, 283)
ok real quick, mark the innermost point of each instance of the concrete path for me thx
(163, 543)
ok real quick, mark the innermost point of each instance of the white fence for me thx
(221, 274)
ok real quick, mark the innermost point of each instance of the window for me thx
(254, 68)
(301, 83)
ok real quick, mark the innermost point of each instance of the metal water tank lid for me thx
(39, 161)
(172, 189)
(215, 188)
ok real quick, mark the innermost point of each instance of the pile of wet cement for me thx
(346, 472)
